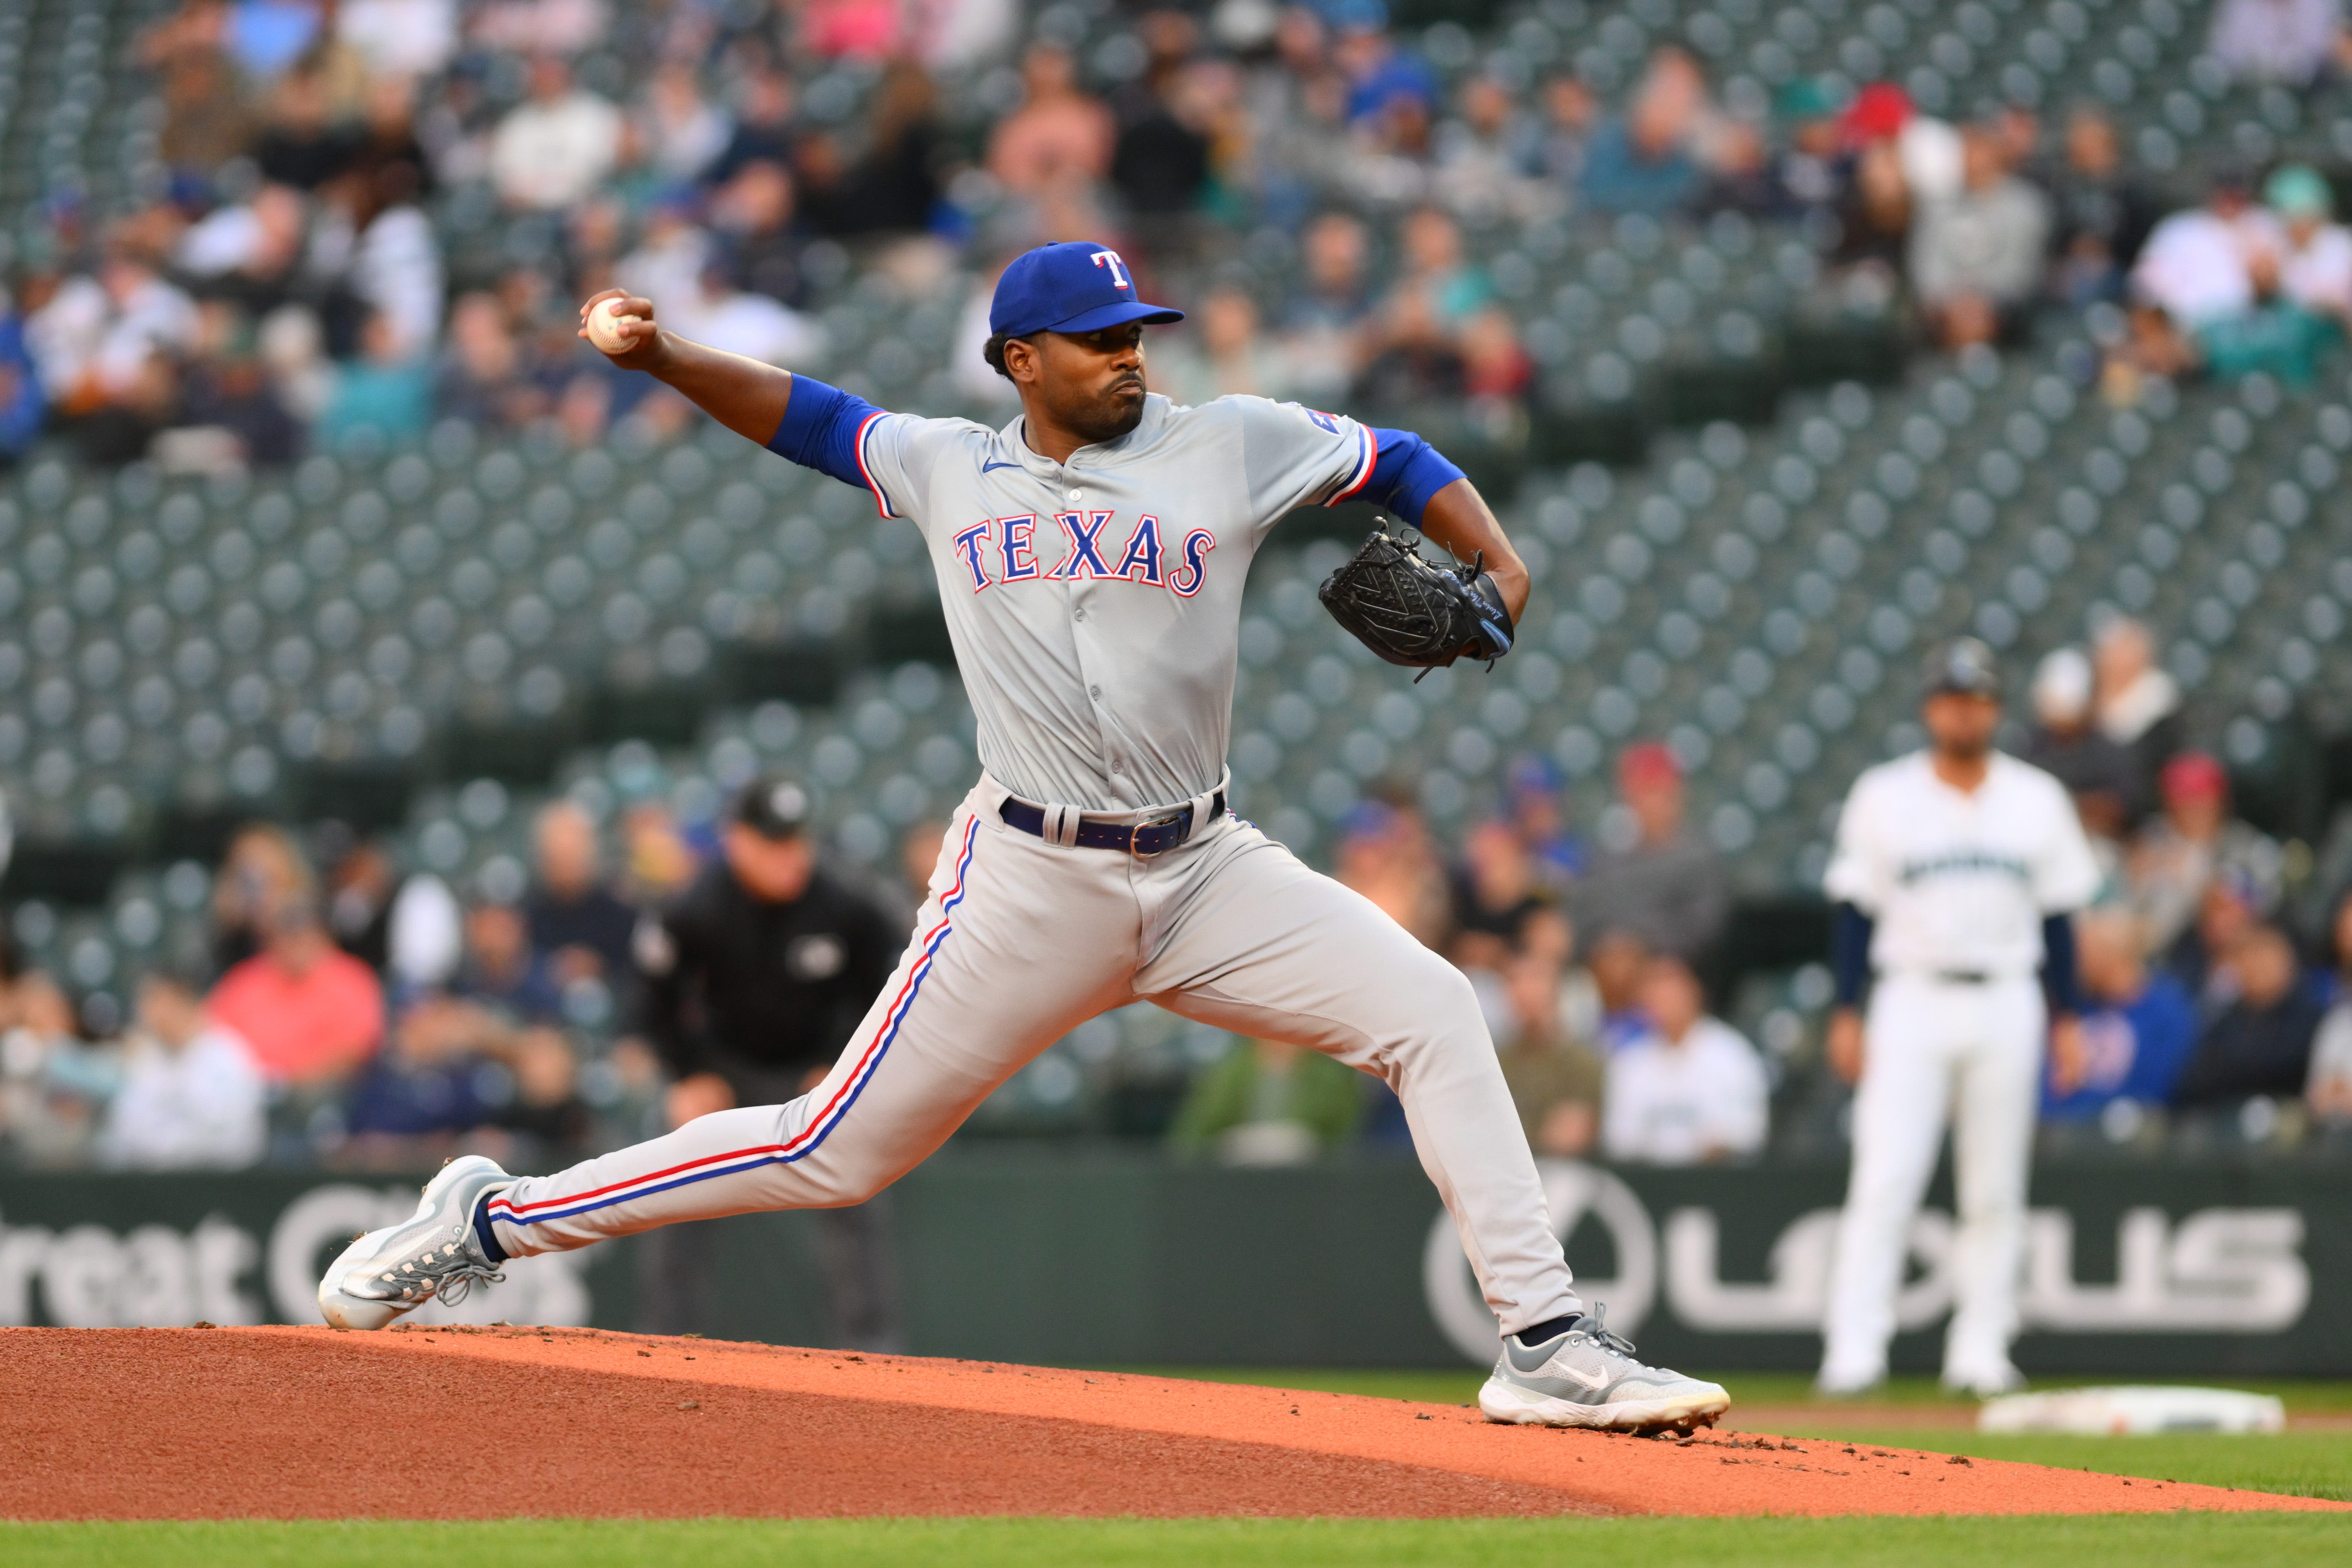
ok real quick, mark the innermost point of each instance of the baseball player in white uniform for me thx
(1955, 874)
(1091, 556)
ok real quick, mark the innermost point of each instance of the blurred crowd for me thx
(372, 214)
(646, 968)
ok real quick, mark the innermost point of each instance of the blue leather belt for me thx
(1144, 840)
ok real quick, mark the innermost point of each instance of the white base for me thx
(2133, 1411)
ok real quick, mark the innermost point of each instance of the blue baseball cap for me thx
(1077, 286)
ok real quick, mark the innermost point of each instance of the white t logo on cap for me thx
(1117, 268)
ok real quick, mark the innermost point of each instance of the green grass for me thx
(2256, 1541)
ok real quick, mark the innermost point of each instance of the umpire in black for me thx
(754, 982)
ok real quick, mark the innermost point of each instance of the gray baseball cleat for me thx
(397, 1270)
(1586, 1376)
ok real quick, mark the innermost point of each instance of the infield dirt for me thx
(452, 1422)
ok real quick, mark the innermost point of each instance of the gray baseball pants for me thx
(1019, 942)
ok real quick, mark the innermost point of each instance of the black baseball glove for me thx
(1415, 612)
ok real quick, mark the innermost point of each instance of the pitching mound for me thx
(494, 1423)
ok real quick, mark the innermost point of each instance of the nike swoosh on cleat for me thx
(1595, 1381)
(985, 466)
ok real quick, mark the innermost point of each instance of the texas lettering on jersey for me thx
(1001, 551)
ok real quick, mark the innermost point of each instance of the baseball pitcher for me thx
(1090, 557)
(1955, 873)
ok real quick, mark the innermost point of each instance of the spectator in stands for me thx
(426, 1090)
(1159, 157)
(105, 348)
(1812, 168)
(892, 191)
(751, 219)
(2328, 1092)
(2201, 958)
(656, 861)
(2177, 856)
(1532, 803)
(1873, 219)
(2101, 212)
(2292, 42)
(1416, 361)
(191, 1096)
(2140, 1027)
(502, 971)
(1648, 159)
(301, 145)
(481, 379)
(574, 918)
(1385, 854)
(207, 120)
(742, 322)
(2139, 704)
(386, 390)
(311, 1011)
(2261, 1045)
(682, 130)
(1691, 1090)
(1379, 76)
(2315, 256)
(45, 1099)
(262, 873)
(1555, 149)
(1554, 1078)
(1322, 324)
(1057, 134)
(553, 148)
(2197, 272)
(2096, 772)
(1666, 886)
(1495, 896)
(1617, 961)
(764, 131)
(1484, 158)
(376, 249)
(248, 252)
(1231, 355)
(1267, 1102)
(1497, 369)
(1976, 255)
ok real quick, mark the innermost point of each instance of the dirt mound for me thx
(471, 1423)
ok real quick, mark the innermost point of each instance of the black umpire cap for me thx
(773, 805)
(1963, 666)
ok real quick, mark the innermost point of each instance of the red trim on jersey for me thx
(1369, 461)
(881, 501)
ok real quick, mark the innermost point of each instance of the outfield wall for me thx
(1109, 1258)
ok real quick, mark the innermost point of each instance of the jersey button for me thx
(1077, 495)
(1093, 691)
(1078, 615)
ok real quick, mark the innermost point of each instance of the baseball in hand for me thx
(604, 327)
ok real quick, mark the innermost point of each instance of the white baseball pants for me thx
(1936, 1051)
(1018, 942)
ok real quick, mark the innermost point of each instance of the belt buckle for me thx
(1135, 836)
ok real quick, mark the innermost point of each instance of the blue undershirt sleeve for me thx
(1406, 471)
(820, 431)
(2060, 982)
(1850, 932)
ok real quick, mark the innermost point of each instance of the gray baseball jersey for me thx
(1094, 605)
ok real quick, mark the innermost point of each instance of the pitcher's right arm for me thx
(794, 417)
